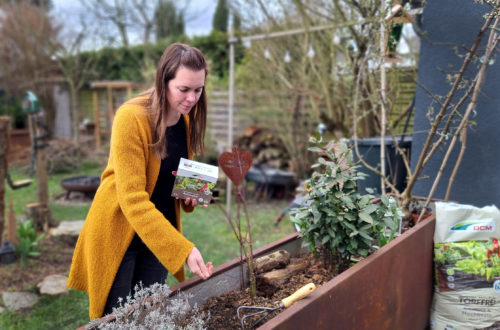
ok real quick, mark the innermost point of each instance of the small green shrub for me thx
(335, 219)
(28, 241)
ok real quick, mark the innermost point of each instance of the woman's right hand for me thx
(197, 266)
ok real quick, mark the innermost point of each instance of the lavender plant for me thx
(153, 307)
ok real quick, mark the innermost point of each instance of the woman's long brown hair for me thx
(175, 56)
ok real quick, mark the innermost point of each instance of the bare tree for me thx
(448, 113)
(343, 82)
(315, 68)
(76, 66)
(116, 12)
(144, 14)
(136, 17)
(26, 53)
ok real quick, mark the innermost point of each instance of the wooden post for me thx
(111, 113)
(97, 121)
(42, 218)
(4, 130)
(129, 91)
(11, 224)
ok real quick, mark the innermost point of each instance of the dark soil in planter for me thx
(223, 309)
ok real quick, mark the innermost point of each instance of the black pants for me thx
(138, 265)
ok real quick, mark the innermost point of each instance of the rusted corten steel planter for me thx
(391, 289)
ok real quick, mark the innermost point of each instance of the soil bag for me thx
(466, 268)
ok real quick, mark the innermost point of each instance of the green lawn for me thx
(22, 196)
(205, 227)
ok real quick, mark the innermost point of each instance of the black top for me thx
(176, 148)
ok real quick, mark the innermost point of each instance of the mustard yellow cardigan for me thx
(122, 207)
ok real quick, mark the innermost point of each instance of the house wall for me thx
(446, 25)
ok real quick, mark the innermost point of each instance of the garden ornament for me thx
(7, 253)
(30, 103)
(285, 303)
(235, 164)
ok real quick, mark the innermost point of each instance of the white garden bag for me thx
(466, 268)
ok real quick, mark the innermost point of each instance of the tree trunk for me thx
(11, 224)
(4, 130)
(42, 217)
(75, 118)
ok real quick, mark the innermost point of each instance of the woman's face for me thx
(184, 91)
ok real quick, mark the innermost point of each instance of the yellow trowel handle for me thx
(299, 294)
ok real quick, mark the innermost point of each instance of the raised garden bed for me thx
(390, 289)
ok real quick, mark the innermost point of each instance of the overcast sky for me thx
(198, 17)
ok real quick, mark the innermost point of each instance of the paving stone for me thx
(53, 285)
(18, 300)
(67, 231)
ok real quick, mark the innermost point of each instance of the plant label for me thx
(195, 180)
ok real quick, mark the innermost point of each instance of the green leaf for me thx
(365, 226)
(365, 200)
(365, 217)
(370, 208)
(365, 235)
(389, 222)
(350, 216)
(349, 225)
(347, 201)
(350, 184)
(302, 214)
(384, 200)
(315, 149)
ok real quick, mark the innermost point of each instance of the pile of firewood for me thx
(265, 146)
(275, 269)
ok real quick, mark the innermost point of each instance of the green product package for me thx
(195, 180)
(466, 268)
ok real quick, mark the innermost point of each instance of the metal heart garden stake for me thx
(235, 165)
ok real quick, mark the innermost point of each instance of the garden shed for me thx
(104, 113)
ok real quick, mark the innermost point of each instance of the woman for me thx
(133, 229)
